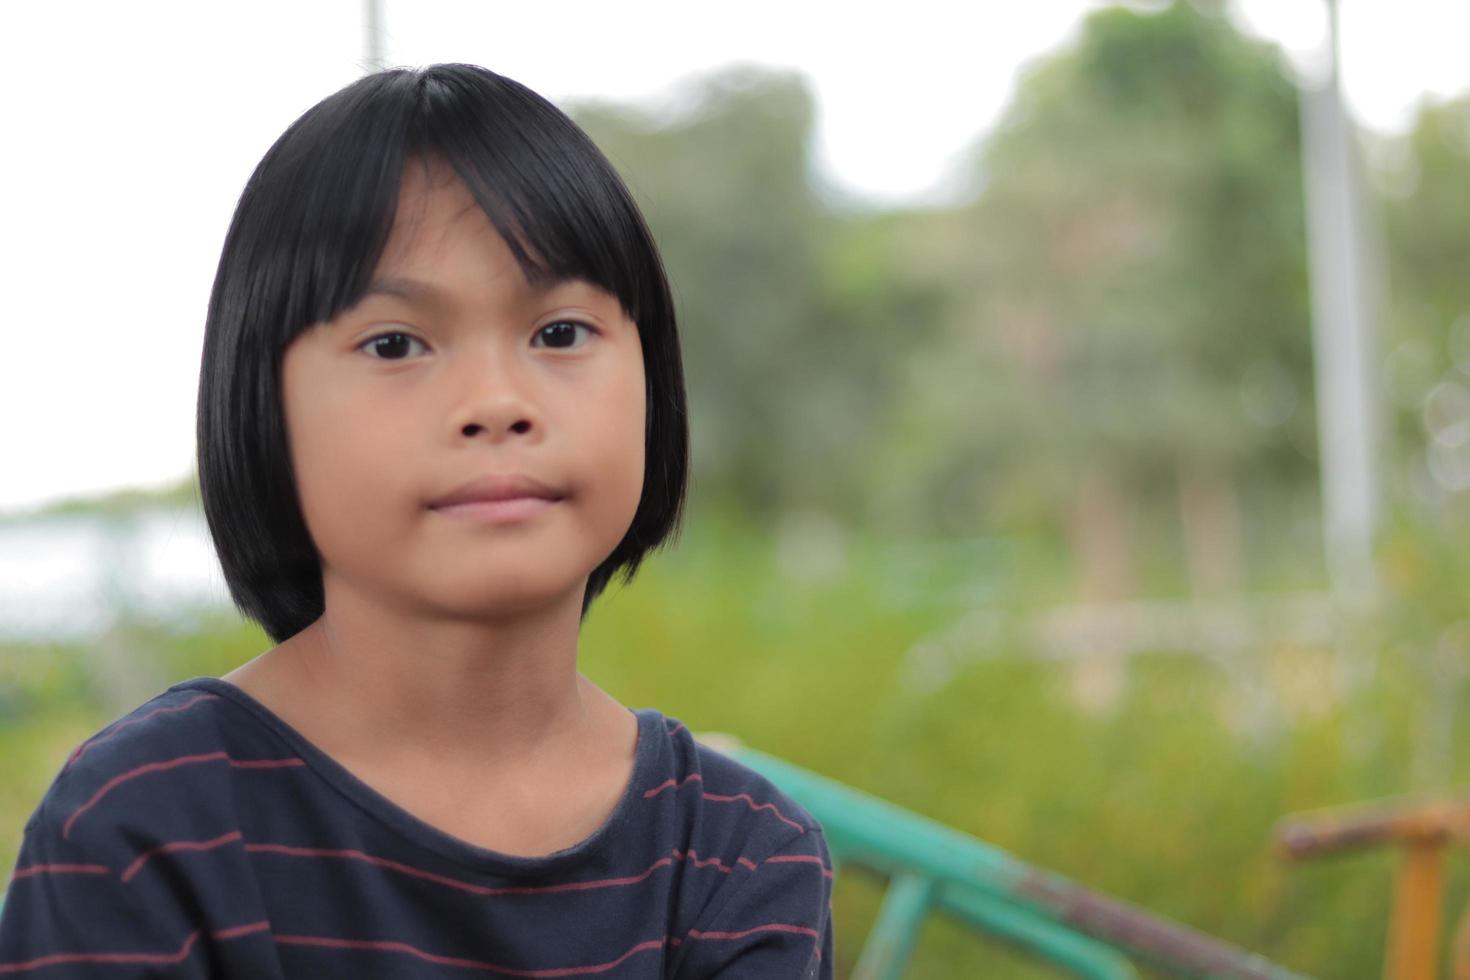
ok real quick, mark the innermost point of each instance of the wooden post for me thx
(1413, 937)
(1424, 829)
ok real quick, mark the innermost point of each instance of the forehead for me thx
(434, 207)
(441, 241)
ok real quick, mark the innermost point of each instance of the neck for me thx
(502, 693)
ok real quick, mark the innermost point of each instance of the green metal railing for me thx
(934, 868)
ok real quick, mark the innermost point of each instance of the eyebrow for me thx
(413, 291)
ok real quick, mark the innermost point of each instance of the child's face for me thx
(464, 381)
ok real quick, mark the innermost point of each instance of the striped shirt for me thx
(202, 836)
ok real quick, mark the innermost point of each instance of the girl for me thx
(440, 407)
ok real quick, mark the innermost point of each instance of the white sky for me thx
(132, 126)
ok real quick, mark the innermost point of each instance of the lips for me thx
(498, 487)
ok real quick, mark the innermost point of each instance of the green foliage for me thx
(1426, 222)
(1165, 790)
(1140, 248)
(727, 193)
(1119, 314)
(1427, 228)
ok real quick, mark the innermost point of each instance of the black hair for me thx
(308, 232)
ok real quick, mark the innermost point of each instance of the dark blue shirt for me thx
(201, 836)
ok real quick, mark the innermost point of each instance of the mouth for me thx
(506, 511)
(497, 487)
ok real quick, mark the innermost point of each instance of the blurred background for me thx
(1080, 405)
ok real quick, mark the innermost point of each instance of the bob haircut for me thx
(309, 229)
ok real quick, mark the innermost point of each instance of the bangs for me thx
(543, 184)
(327, 194)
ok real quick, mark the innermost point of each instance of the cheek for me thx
(629, 437)
(616, 438)
(336, 452)
(338, 486)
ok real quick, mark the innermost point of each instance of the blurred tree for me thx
(1427, 218)
(1117, 320)
(796, 316)
(727, 191)
(1425, 178)
(1135, 314)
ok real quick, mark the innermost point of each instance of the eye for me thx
(385, 343)
(563, 335)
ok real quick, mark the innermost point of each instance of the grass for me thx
(1161, 790)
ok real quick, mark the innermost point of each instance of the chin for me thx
(517, 597)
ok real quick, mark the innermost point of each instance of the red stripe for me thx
(707, 862)
(399, 947)
(755, 806)
(249, 929)
(768, 927)
(184, 760)
(179, 845)
(667, 783)
(800, 859)
(53, 959)
(571, 886)
(59, 869)
(107, 735)
(393, 946)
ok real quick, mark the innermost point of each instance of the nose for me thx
(497, 404)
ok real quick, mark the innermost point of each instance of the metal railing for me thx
(937, 869)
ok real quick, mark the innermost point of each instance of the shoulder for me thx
(170, 752)
(769, 911)
(98, 861)
(726, 801)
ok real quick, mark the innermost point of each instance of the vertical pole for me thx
(1413, 938)
(892, 939)
(1344, 290)
(373, 46)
